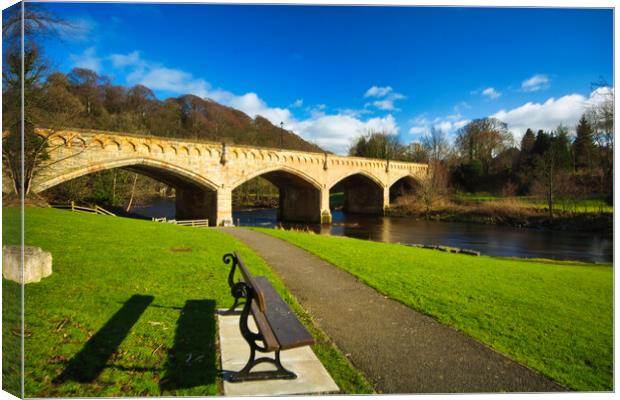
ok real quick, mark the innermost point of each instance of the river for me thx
(491, 240)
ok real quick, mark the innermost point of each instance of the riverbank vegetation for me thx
(559, 170)
(591, 215)
(130, 308)
(554, 317)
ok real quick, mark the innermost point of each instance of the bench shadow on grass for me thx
(191, 360)
(88, 363)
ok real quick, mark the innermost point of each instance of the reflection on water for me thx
(487, 239)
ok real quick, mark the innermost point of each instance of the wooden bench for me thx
(278, 327)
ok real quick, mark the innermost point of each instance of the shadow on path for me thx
(192, 358)
(88, 363)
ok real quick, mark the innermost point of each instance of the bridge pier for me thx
(300, 204)
(195, 203)
(386, 198)
(326, 213)
(364, 199)
(224, 207)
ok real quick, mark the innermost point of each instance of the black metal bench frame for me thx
(252, 291)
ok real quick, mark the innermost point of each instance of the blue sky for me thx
(332, 73)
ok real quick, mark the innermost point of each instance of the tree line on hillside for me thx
(484, 156)
(88, 100)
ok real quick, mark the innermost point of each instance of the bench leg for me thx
(246, 375)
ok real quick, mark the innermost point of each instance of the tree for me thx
(584, 145)
(552, 165)
(527, 141)
(436, 144)
(378, 145)
(482, 139)
(86, 84)
(525, 164)
(601, 118)
(22, 164)
(434, 184)
(542, 143)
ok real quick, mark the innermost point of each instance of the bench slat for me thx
(263, 327)
(289, 332)
(249, 279)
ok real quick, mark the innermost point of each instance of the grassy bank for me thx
(526, 212)
(553, 317)
(129, 309)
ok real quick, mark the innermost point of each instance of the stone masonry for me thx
(205, 173)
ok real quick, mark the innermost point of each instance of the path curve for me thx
(399, 350)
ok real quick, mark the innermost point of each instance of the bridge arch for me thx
(299, 198)
(363, 193)
(292, 171)
(403, 185)
(196, 196)
(361, 172)
(186, 175)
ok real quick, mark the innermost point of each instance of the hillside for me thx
(218, 122)
(84, 99)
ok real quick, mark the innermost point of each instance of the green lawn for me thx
(11, 343)
(125, 315)
(554, 317)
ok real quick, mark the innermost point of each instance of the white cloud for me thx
(297, 103)
(491, 93)
(418, 130)
(124, 60)
(565, 110)
(536, 82)
(173, 80)
(386, 96)
(337, 132)
(334, 132)
(88, 59)
(378, 91)
(448, 124)
(158, 77)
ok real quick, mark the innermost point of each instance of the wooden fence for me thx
(198, 223)
(91, 210)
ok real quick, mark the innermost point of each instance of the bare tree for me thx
(483, 139)
(22, 163)
(436, 143)
(601, 118)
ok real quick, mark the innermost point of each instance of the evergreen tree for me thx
(584, 145)
(542, 143)
(527, 142)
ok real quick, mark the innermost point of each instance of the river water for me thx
(491, 240)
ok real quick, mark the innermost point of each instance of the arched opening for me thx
(137, 188)
(357, 194)
(296, 198)
(403, 190)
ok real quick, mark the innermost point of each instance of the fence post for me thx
(72, 205)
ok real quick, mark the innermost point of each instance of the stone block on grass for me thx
(37, 263)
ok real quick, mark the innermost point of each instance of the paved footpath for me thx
(399, 350)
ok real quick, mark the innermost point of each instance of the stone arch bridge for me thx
(204, 174)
